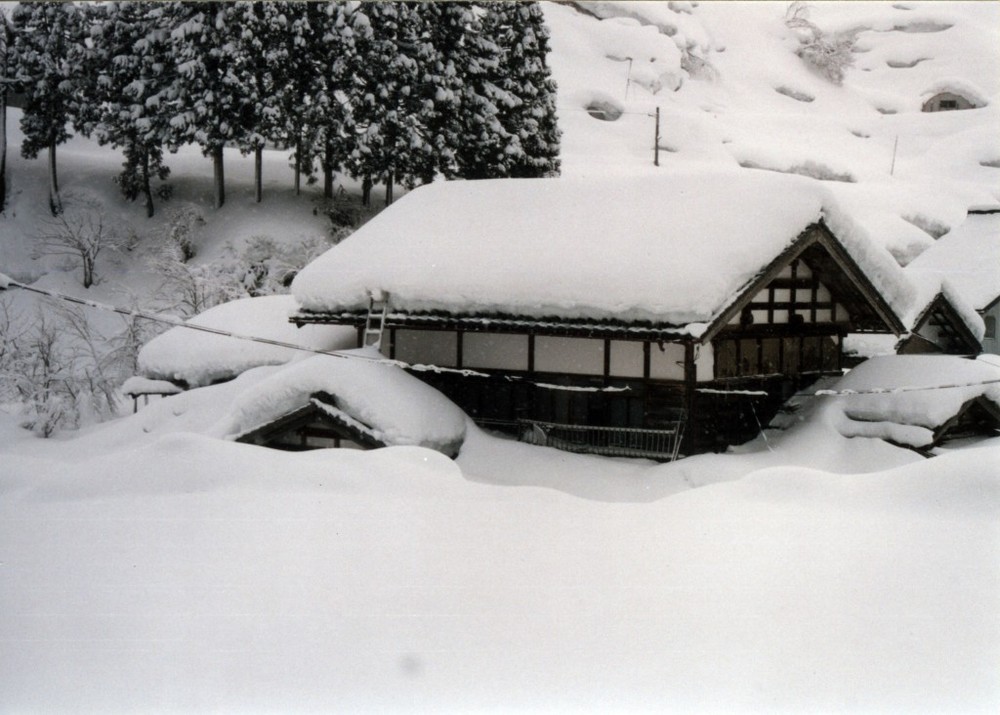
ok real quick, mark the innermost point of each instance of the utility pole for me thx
(656, 140)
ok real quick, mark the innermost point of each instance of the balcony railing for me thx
(661, 444)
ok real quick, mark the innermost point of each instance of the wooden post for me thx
(690, 383)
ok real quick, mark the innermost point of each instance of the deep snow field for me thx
(148, 565)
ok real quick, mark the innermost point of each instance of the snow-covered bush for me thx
(830, 55)
(178, 232)
(59, 370)
(262, 266)
(188, 289)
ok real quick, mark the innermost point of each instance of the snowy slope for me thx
(732, 92)
(147, 565)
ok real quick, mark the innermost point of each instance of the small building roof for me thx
(360, 390)
(670, 248)
(959, 86)
(968, 257)
(195, 358)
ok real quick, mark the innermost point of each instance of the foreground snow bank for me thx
(197, 358)
(197, 574)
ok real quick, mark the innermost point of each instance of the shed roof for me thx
(968, 257)
(671, 248)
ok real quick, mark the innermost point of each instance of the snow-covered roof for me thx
(673, 248)
(891, 406)
(378, 399)
(197, 358)
(968, 257)
(956, 85)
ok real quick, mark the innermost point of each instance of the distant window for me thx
(991, 326)
(948, 104)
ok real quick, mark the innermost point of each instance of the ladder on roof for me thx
(375, 322)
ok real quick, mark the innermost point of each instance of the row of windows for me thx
(547, 354)
(793, 355)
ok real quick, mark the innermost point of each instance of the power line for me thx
(6, 282)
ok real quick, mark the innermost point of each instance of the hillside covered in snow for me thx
(842, 561)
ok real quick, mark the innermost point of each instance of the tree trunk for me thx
(220, 177)
(388, 188)
(3, 147)
(366, 190)
(298, 166)
(55, 201)
(328, 171)
(147, 190)
(258, 173)
(88, 272)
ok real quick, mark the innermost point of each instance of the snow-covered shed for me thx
(352, 400)
(921, 401)
(193, 358)
(968, 258)
(952, 94)
(613, 303)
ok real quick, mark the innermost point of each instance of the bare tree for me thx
(830, 55)
(81, 232)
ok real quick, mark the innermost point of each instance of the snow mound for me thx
(380, 399)
(195, 358)
(904, 398)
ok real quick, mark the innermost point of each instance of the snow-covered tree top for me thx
(673, 247)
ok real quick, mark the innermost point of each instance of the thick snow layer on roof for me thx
(197, 358)
(380, 399)
(968, 257)
(673, 248)
(894, 402)
(956, 85)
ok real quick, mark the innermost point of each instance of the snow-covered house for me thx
(593, 305)
(945, 324)
(968, 258)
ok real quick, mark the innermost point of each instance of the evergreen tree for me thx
(390, 115)
(526, 90)
(6, 81)
(329, 114)
(131, 64)
(462, 126)
(290, 25)
(260, 47)
(207, 98)
(48, 39)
